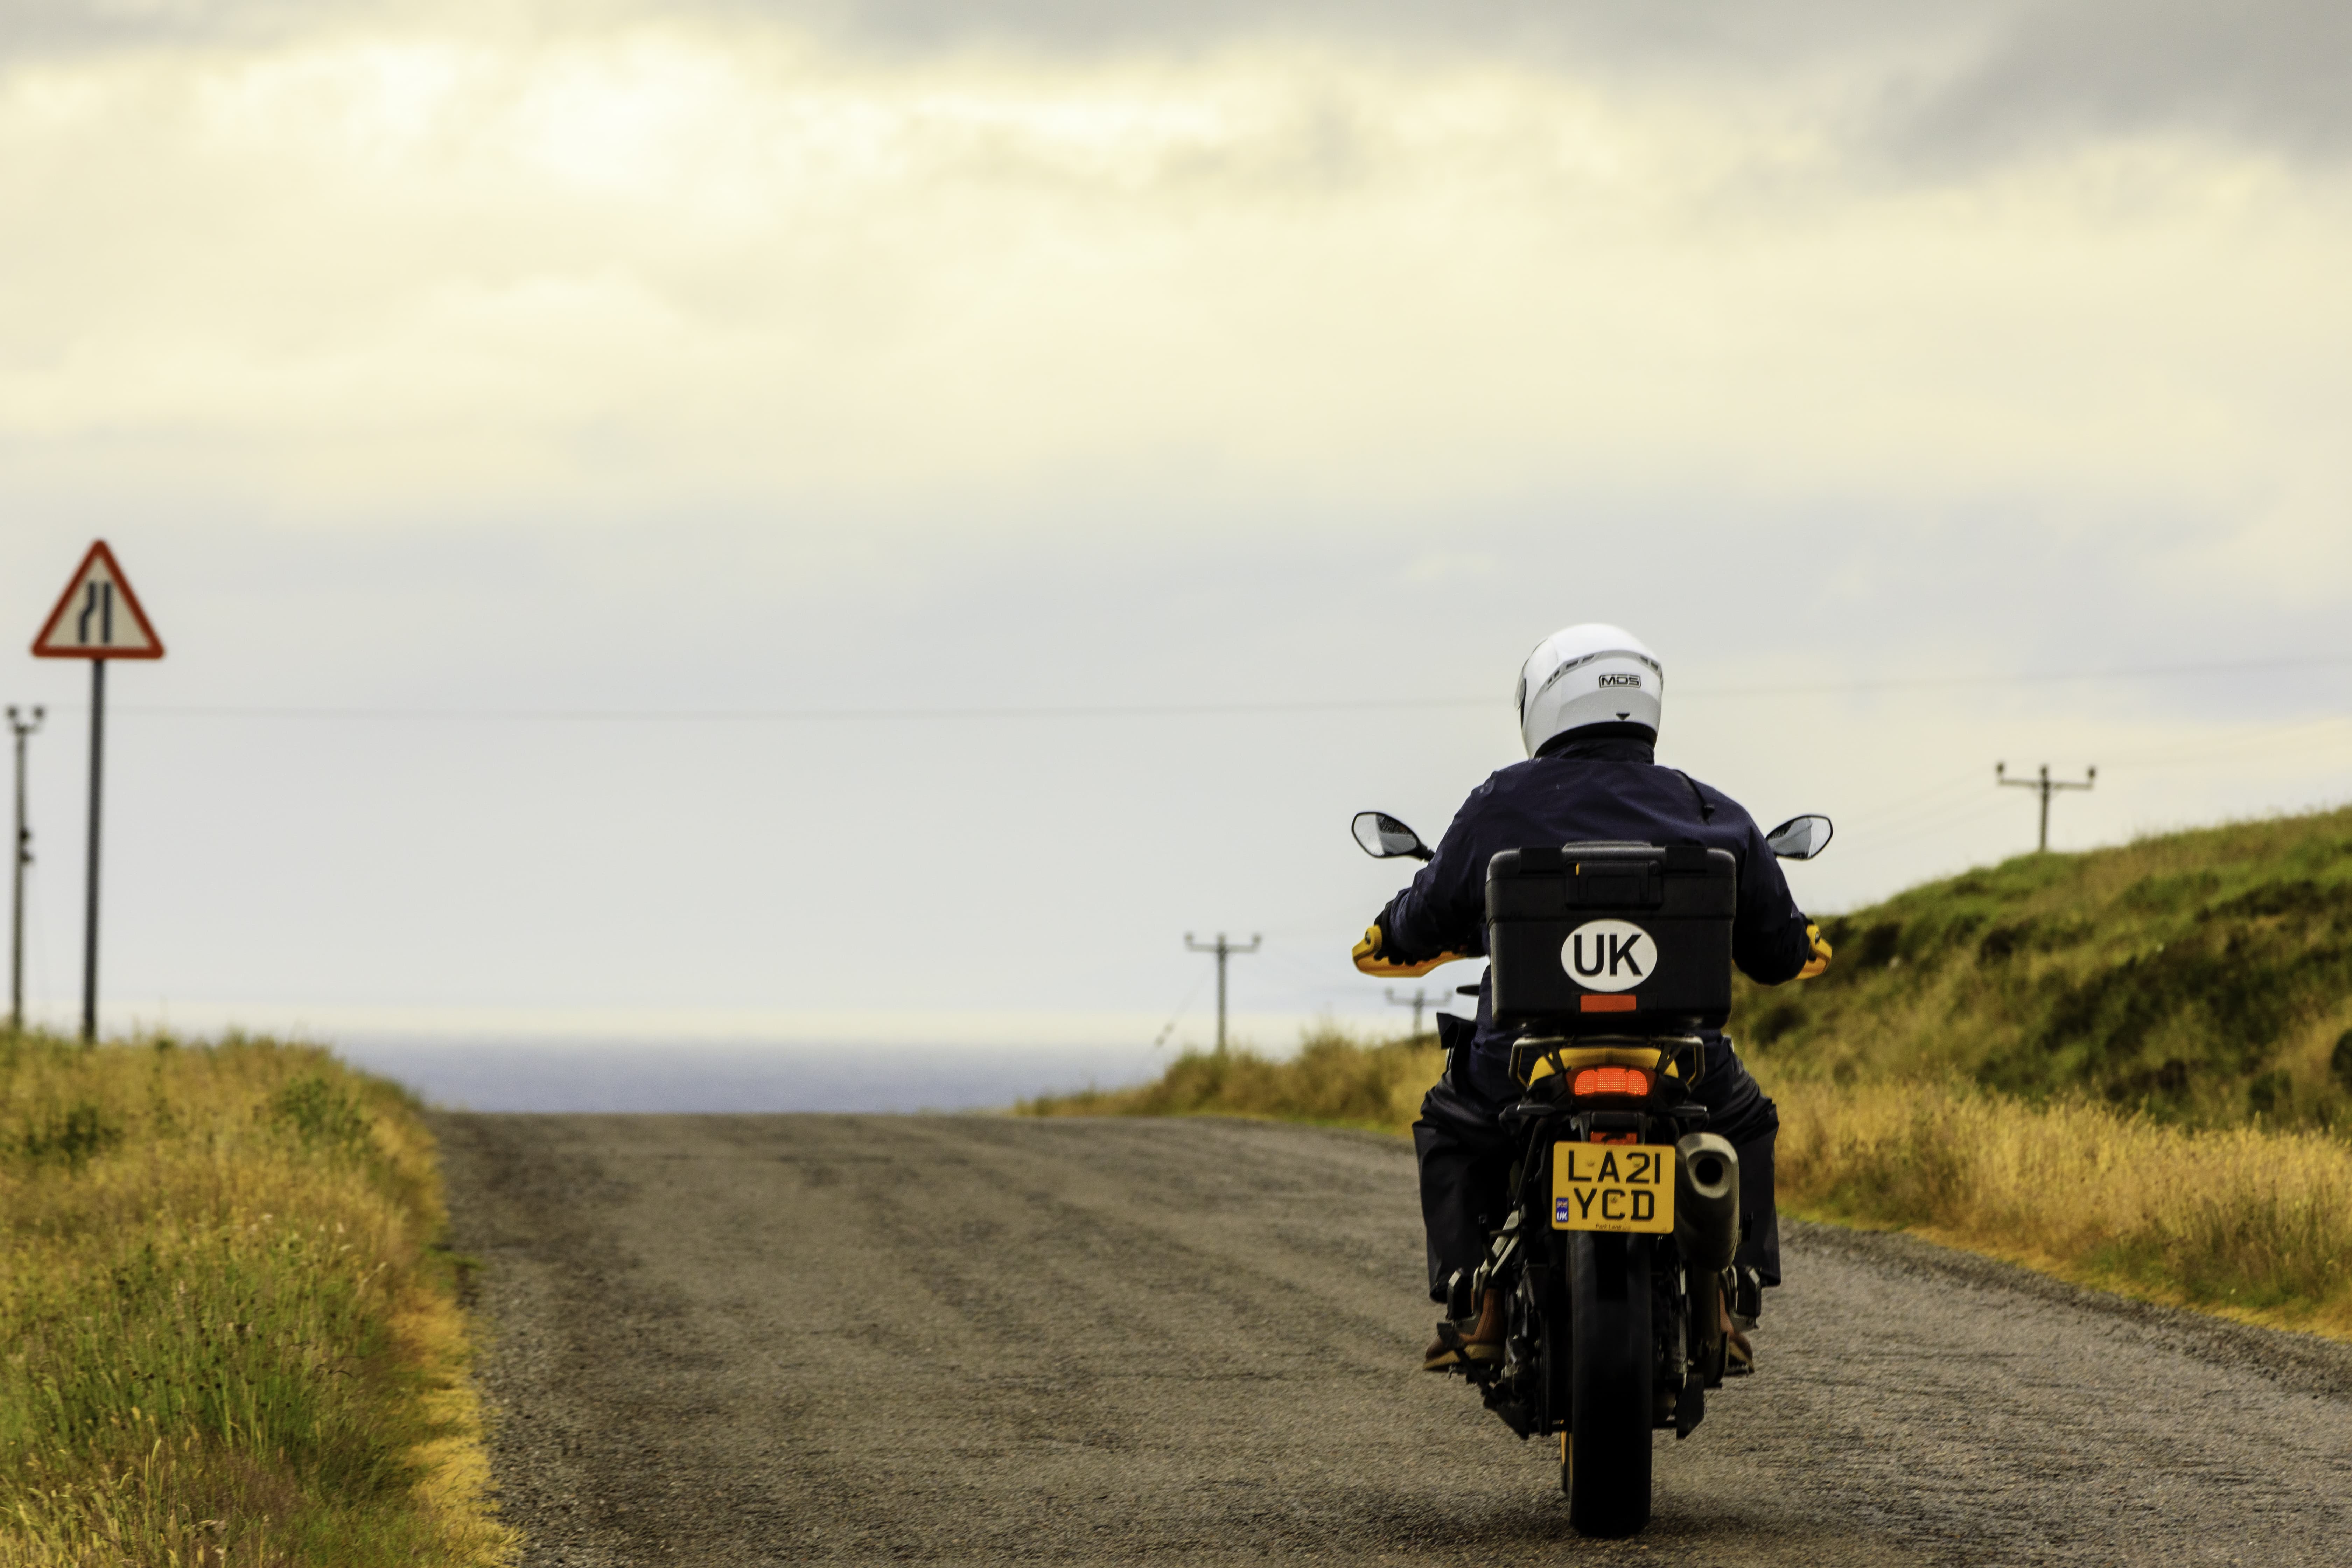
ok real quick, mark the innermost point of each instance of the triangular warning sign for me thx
(99, 618)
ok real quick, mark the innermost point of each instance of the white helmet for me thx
(1587, 675)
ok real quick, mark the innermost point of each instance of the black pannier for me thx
(1615, 939)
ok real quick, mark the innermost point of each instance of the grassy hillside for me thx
(228, 1336)
(2202, 977)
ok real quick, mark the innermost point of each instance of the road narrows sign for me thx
(98, 617)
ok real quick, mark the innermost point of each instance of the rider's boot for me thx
(1738, 1355)
(1451, 1347)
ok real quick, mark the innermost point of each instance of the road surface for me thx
(726, 1340)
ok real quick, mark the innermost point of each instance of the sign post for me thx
(98, 619)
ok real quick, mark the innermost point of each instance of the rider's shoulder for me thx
(1514, 780)
(1497, 783)
(1495, 792)
(1724, 811)
(1508, 775)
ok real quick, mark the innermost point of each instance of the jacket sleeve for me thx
(1768, 934)
(1444, 908)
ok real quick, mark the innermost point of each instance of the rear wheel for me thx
(1607, 1473)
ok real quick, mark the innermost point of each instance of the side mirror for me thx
(1799, 837)
(1384, 837)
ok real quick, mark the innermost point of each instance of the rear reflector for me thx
(1605, 1004)
(1613, 1081)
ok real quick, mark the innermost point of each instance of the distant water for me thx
(595, 1075)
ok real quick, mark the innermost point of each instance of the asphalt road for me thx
(796, 1338)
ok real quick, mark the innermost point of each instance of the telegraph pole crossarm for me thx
(2047, 786)
(1223, 949)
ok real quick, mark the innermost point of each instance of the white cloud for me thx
(452, 267)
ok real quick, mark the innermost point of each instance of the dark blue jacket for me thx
(1584, 790)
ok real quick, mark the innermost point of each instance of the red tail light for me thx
(1613, 1081)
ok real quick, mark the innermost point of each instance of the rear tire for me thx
(1607, 1475)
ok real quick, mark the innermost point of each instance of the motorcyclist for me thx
(1590, 699)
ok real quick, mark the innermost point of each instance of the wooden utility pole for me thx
(1417, 1001)
(1223, 950)
(22, 725)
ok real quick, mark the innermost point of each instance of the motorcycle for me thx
(1615, 1259)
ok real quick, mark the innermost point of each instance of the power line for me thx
(1164, 710)
(2040, 677)
(1911, 808)
(805, 715)
(1169, 1028)
(2301, 734)
(1963, 815)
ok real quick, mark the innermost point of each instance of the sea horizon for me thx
(614, 1060)
(687, 1075)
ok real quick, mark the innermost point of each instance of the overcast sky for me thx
(476, 394)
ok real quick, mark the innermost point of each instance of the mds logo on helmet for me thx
(1616, 680)
(1609, 955)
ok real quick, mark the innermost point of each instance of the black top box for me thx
(1612, 939)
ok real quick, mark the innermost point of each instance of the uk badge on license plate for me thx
(1613, 1186)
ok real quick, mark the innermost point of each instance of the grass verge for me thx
(2250, 1222)
(1335, 1080)
(229, 1335)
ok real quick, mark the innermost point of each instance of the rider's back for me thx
(1584, 790)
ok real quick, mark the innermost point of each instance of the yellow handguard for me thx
(1370, 958)
(1820, 958)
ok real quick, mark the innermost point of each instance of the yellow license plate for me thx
(1613, 1186)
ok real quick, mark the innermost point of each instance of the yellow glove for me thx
(1370, 958)
(1820, 958)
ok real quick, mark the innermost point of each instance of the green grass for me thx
(229, 1335)
(2201, 977)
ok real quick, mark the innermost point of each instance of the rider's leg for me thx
(1745, 1116)
(1760, 1249)
(1466, 1165)
(1466, 1161)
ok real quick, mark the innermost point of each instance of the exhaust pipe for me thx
(1707, 1201)
(1707, 1233)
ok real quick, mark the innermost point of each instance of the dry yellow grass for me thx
(229, 1337)
(2251, 1222)
(1335, 1080)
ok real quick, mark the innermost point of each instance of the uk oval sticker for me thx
(1609, 955)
